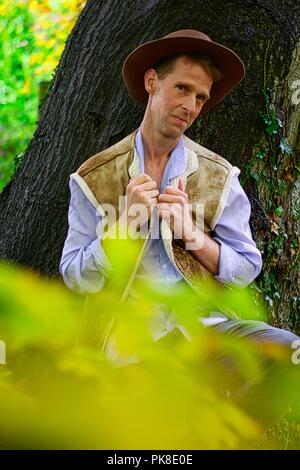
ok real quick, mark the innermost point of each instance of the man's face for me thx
(176, 100)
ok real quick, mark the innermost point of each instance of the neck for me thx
(157, 148)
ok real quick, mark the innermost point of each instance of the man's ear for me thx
(150, 81)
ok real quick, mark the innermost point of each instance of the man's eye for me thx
(181, 87)
(201, 98)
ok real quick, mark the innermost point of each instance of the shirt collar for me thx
(176, 164)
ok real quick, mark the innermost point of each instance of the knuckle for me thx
(144, 199)
(145, 178)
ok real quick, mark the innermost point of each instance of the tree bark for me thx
(88, 109)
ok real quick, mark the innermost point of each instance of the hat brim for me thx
(148, 54)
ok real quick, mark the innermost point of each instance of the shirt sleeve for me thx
(240, 260)
(84, 264)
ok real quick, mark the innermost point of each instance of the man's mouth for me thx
(181, 120)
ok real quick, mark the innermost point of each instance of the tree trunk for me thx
(88, 109)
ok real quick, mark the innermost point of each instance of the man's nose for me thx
(189, 104)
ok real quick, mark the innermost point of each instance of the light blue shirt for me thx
(84, 264)
(156, 260)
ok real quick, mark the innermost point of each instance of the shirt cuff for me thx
(234, 268)
(101, 260)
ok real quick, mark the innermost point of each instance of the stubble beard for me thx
(171, 131)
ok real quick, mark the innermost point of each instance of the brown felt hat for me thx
(184, 41)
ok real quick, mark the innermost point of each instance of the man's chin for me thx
(173, 133)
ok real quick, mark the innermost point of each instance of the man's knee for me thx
(258, 331)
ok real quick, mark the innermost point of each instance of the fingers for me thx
(153, 202)
(142, 193)
(142, 183)
(143, 190)
(173, 207)
(148, 201)
(153, 194)
(172, 199)
(143, 178)
(174, 210)
(180, 185)
(175, 191)
(150, 185)
(146, 180)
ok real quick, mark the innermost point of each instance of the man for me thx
(178, 78)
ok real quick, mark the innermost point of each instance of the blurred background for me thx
(57, 388)
(32, 37)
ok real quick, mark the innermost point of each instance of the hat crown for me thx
(188, 33)
(182, 42)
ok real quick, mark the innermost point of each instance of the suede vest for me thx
(207, 179)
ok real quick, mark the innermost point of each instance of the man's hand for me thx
(141, 197)
(173, 206)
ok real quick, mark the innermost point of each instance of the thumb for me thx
(180, 185)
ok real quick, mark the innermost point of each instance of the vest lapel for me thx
(166, 232)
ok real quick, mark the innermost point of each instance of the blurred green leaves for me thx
(18, 105)
(32, 38)
(148, 388)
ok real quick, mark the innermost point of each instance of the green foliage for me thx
(17, 106)
(278, 211)
(31, 44)
(285, 146)
(87, 373)
(267, 166)
(273, 124)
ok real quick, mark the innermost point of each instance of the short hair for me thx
(165, 66)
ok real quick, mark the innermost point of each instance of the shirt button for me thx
(164, 266)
